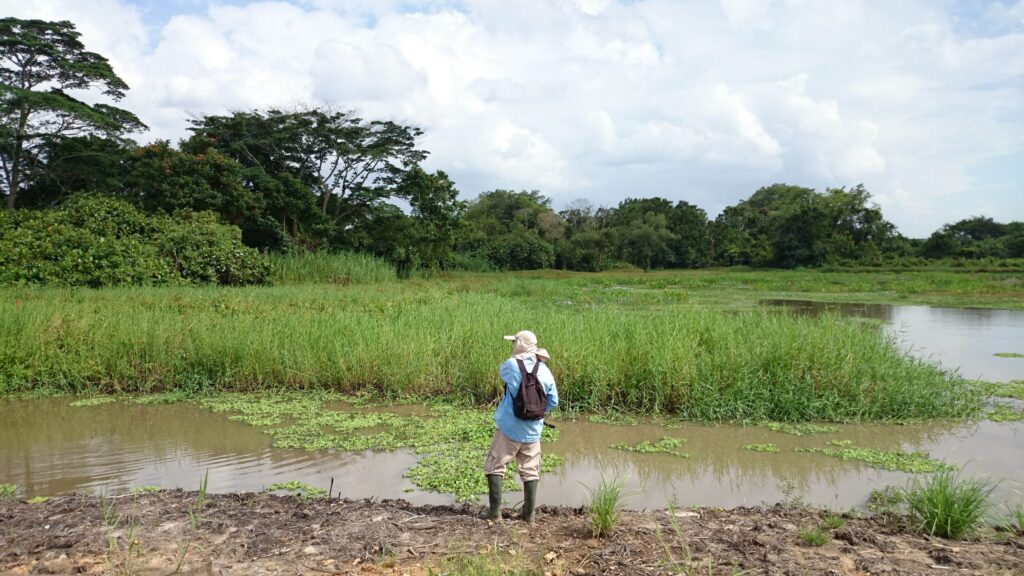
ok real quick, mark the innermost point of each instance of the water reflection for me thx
(50, 448)
(962, 339)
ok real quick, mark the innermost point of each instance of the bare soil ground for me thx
(257, 533)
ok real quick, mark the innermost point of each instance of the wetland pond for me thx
(48, 447)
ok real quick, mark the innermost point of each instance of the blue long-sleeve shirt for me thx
(515, 428)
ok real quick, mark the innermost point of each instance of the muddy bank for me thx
(259, 533)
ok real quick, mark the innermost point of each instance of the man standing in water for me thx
(518, 428)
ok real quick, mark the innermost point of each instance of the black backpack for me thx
(531, 401)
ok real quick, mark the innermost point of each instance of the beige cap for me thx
(542, 353)
(524, 344)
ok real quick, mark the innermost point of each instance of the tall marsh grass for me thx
(442, 338)
(328, 268)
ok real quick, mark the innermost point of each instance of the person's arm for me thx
(509, 373)
(550, 389)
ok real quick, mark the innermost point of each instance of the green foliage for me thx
(98, 241)
(1008, 355)
(94, 401)
(665, 445)
(700, 363)
(305, 491)
(947, 505)
(8, 490)
(800, 428)
(451, 442)
(1013, 389)
(832, 522)
(885, 501)
(43, 63)
(328, 268)
(605, 504)
(1003, 412)
(769, 447)
(917, 462)
(814, 537)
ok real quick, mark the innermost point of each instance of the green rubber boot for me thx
(529, 500)
(494, 496)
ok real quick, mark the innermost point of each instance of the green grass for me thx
(329, 268)
(665, 445)
(917, 462)
(814, 537)
(441, 338)
(832, 522)
(886, 500)
(482, 565)
(947, 505)
(605, 504)
(8, 490)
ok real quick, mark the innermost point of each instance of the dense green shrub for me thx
(99, 241)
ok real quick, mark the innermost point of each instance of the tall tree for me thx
(40, 64)
(350, 164)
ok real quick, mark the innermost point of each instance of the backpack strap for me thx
(536, 366)
(522, 367)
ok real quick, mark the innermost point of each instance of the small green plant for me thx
(947, 505)
(832, 522)
(305, 491)
(790, 497)
(1013, 389)
(8, 490)
(666, 445)
(37, 499)
(201, 495)
(614, 418)
(605, 504)
(885, 501)
(769, 447)
(122, 542)
(1008, 355)
(491, 564)
(814, 537)
(145, 489)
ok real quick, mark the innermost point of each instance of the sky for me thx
(921, 101)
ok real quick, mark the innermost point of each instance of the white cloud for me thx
(693, 101)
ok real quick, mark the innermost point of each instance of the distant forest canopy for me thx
(323, 178)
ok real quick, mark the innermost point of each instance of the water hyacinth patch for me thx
(451, 441)
(1005, 413)
(94, 401)
(769, 447)
(1008, 355)
(916, 462)
(666, 445)
(800, 429)
(305, 491)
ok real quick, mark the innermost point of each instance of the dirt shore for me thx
(257, 533)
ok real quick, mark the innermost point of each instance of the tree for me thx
(348, 163)
(436, 213)
(40, 63)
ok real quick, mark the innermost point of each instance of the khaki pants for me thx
(503, 450)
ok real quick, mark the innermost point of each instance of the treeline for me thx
(317, 178)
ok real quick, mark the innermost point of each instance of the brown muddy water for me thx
(48, 448)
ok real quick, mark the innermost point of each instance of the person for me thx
(513, 436)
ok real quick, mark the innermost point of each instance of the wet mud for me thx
(259, 533)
